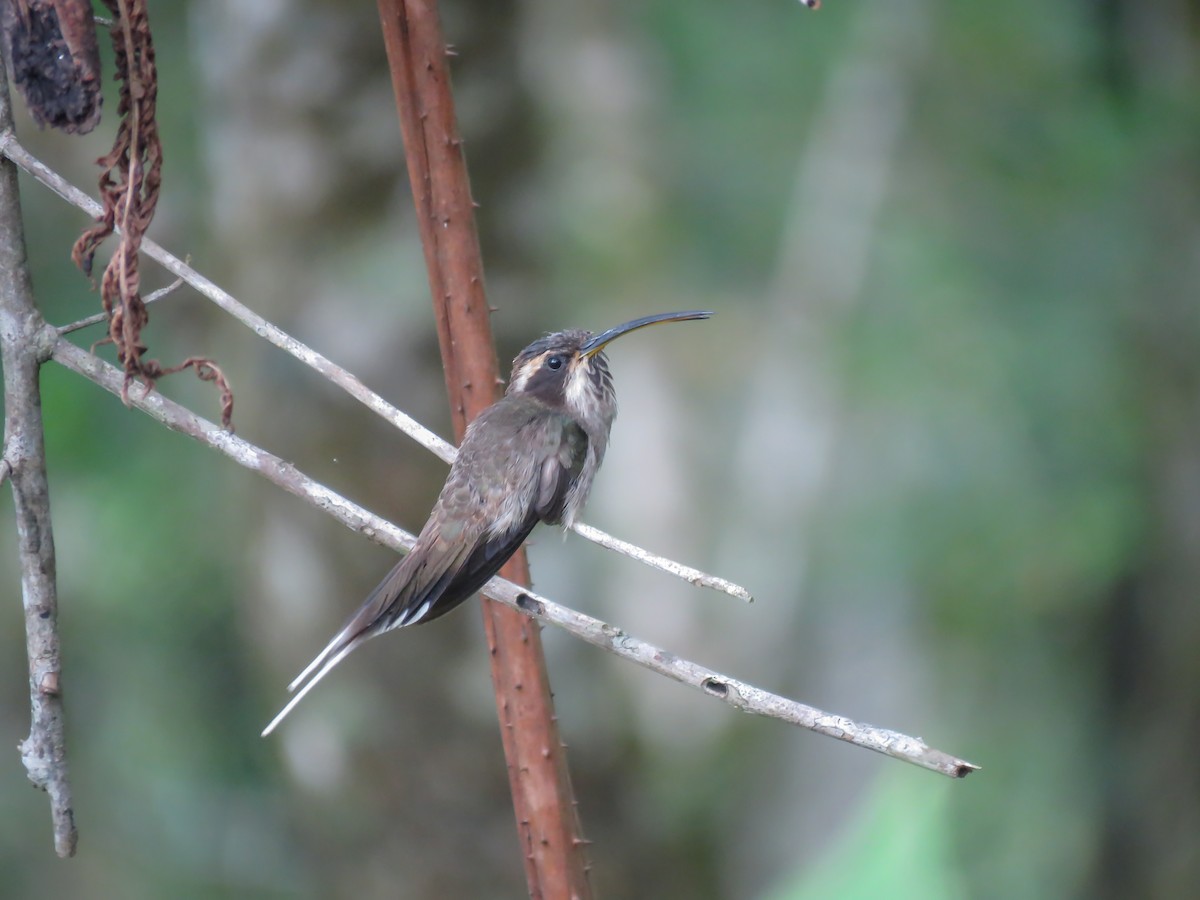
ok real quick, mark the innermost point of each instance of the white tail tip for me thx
(333, 661)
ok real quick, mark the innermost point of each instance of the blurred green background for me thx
(945, 426)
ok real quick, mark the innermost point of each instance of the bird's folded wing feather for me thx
(459, 548)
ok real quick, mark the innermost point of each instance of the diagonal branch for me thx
(736, 693)
(10, 147)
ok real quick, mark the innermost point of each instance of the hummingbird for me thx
(529, 457)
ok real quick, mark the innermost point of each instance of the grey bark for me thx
(26, 342)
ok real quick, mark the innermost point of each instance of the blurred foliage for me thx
(980, 455)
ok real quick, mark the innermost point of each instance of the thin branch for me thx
(10, 147)
(745, 697)
(152, 297)
(679, 570)
(608, 637)
(276, 470)
(24, 342)
(662, 563)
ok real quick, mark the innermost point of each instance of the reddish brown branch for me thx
(555, 865)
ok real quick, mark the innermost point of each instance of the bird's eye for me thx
(555, 362)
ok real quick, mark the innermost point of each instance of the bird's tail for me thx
(400, 599)
(367, 621)
(339, 648)
(357, 630)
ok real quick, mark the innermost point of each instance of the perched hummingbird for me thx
(529, 457)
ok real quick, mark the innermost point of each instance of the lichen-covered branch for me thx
(739, 694)
(25, 340)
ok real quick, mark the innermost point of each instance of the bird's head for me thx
(569, 371)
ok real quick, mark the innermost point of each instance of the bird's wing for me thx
(562, 463)
(522, 492)
(459, 549)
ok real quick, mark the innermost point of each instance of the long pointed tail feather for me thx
(331, 647)
(397, 601)
(363, 625)
(325, 670)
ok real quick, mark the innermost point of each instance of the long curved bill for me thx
(597, 342)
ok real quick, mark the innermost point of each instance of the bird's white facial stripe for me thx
(521, 378)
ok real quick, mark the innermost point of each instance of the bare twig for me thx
(276, 470)
(24, 343)
(745, 697)
(687, 573)
(152, 297)
(10, 147)
(608, 637)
